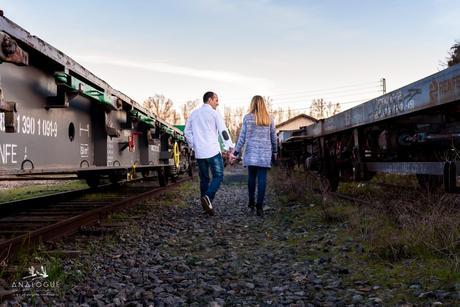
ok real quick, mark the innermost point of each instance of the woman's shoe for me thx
(260, 211)
(252, 208)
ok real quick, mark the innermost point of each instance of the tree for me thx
(290, 113)
(269, 103)
(454, 56)
(187, 108)
(175, 117)
(322, 109)
(332, 108)
(278, 115)
(238, 122)
(160, 106)
(233, 118)
(228, 114)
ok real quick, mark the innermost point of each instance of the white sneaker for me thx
(207, 205)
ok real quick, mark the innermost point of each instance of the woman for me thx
(258, 133)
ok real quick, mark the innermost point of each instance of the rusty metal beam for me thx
(73, 224)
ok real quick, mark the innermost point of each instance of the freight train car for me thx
(412, 130)
(57, 117)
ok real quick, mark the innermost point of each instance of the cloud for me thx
(215, 75)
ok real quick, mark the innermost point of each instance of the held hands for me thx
(275, 159)
(229, 155)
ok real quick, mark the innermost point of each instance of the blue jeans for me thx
(259, 173)
(217, 170)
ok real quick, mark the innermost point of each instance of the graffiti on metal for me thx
(433, 168)
(444, 90)
(394, 104)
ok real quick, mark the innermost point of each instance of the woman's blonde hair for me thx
(260, 111)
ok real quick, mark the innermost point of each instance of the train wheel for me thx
(190, 170)
(176, 155)
(162, 177)
(429, 183)
(145, 174)
(360, 173)
(329, 184)
(173, 172)
(329, 177)
(116, 177)
(93, 181)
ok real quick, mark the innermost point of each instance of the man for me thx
(202, 131)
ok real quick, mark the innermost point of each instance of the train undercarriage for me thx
(424, 143)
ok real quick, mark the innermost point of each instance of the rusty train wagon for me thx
(57, 117)
(412, 130)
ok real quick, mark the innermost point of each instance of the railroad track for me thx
(25, 223)
(394, 188)
(350, 198)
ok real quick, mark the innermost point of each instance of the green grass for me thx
(61, 279)
(25, 192)
(390, 271)
(403, 240)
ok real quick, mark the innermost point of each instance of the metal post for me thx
(384, 85)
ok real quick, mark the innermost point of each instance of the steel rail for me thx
(73, 224)
(9, 207)
(350, 198)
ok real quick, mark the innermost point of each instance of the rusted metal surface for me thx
(431, 168)
(53, 227)
(435, 90)
(11, 52)
(68, 64)
(54, 102)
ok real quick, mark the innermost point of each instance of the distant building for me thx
(295, 123)
(285, 129)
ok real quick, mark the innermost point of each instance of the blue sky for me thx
(293, 51)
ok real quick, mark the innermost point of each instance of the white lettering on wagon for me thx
(84, 129)
(31, 125)
(154, 148)
(2, 122)
(109, 152)
(48, 128)
(84, 150)
(8, 153)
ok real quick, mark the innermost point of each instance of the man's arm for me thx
(188, 132)
(223, 131)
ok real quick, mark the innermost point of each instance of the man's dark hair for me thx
(207, 96)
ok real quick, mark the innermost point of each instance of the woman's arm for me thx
(242, 138)
(273, 137)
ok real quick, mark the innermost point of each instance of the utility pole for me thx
(383, 82)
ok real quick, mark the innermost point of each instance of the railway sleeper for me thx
(97, 230)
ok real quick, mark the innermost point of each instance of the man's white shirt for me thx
(202, 130)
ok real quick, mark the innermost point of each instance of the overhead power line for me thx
(306, 108)
(323, 90)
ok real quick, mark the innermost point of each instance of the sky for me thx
(290, 50)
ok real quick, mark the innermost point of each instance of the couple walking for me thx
(257, 139)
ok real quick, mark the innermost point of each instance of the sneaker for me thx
(207, 205)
